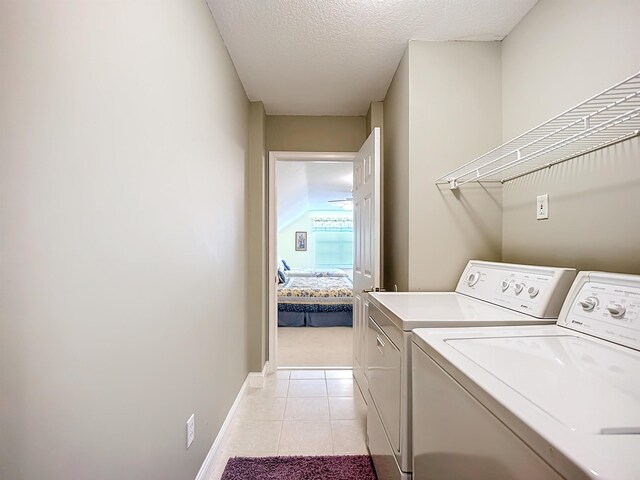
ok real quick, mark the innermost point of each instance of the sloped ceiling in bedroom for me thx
(304, 186)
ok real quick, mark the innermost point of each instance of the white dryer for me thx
(534, 402)
(487, 294)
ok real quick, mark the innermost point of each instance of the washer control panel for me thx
(606, 306)
(527, 287)
(534, 290)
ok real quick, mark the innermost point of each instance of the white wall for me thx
(286, 242)
(560, 54)
(123, 140)
(304, 223)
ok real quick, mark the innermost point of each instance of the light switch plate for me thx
(542, 207)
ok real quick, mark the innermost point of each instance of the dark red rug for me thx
(339, 467)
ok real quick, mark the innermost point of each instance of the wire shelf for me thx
(607, 118)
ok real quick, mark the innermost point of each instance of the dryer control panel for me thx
(534, 290)
(605, 305)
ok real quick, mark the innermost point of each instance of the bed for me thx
(315, 302)
(315, 272)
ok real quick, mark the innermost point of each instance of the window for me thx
(333, 242)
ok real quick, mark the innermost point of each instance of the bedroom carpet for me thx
(343, 467)
(315, 347)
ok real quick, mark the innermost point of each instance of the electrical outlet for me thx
(191, 429)
(542, 207)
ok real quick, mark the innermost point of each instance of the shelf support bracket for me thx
(453, 184)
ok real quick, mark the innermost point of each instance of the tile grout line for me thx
(333, 449)
(330, 419)
(326, 384)
(286, 401)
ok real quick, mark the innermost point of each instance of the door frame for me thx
(274, 157)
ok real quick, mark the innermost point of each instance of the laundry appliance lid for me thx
(586, 385)
(573, 398)
(409, 310)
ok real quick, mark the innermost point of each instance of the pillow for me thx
(286, 267)
(281, 277)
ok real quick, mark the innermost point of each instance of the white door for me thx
(366, 248)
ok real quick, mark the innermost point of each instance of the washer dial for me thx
(473, 278)
(589, 303)
(616, 310)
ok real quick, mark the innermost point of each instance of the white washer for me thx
(487, 294)
(541, 402)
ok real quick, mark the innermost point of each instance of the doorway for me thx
(310, 260)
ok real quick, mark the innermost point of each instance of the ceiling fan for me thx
(345, 203)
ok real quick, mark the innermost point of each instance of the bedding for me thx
(316, 272)
(315, 301)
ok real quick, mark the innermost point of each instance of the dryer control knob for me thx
(533, 292)
(504, 285)
(473, 278)
(588, 303)
(518, 287)
(616, 310)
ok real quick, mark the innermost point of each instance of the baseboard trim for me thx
(207, 468)
(270, 367)
(253, 380)
(256, 379)
(327, 367)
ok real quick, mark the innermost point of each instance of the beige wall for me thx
(395, 176)
(315, 134)
(257, 238)
(123, 141)
(560, 54)
(454, 115)
(443, 107)
(375, 116)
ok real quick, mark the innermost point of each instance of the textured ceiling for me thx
(304, 186)
(334, 57)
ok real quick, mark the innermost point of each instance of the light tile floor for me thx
(298, 412)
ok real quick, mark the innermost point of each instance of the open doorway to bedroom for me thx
(314, 261)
